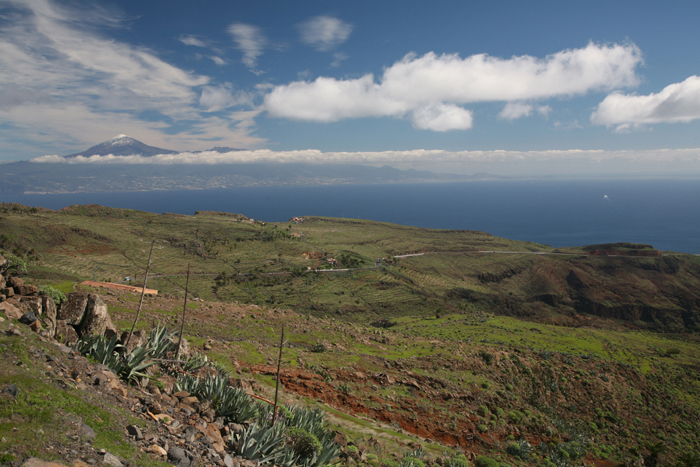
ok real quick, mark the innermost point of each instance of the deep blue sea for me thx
(663, 213)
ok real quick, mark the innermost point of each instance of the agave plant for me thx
(135, 363)
(313, 422)
(228, 402)
(102, 350)
(195, 362)
(236, 406)
(265, 445)
(187, 383)
(160, 342)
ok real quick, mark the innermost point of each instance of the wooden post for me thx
(184, 310)
(143, 292)
(277, 383)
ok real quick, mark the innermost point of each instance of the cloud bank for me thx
(431, 156)
(678, 102)
(430, 89)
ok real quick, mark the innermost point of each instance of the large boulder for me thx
(14, 282)
(4, 264)
(31, 304)
(11, 312)
(49, 318)
(73, 308)
(25, 289)
(65, 333)
(95, 318)
(8, 292)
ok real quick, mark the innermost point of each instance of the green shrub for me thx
(482, 410)
(520, 448)
(485, 384)
(57, 296)
(515, 416)
(483, 461)
(15, 263)
(304, 444)
(409, 461)
(487, 357)
(318, 347)
(352, 449)
(482, 428)
(457, 461)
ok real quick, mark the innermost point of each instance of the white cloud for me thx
(78, 84)
(677, 102)
(250, 40)
(216, 98)
(218, 60)
(544, 110)
(416, 82)
(338, 58)
(191, 40)
(442, 117)
(515, 110)
(324, 33)
(426, 156)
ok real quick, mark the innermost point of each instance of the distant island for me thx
(66, 176)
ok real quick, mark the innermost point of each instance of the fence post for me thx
(143, 292)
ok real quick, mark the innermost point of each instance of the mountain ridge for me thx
(122, 145)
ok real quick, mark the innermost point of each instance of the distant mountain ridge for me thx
(192, 174)
(122, 145)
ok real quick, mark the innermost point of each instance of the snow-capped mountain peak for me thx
(122, 145)
(120, 140)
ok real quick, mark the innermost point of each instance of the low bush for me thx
(304, 444)
(457, 461)
(57, 296)
(484, 461)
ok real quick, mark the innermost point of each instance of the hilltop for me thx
(236, 258)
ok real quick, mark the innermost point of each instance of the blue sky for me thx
(508, 87)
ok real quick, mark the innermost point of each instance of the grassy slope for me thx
(650, 394)
(111, 244)
(546, 383)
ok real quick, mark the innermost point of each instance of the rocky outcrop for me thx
(86, 313)
(72, 310)
(95, 317)
(79, 315)
(49, 308)
(4, 264)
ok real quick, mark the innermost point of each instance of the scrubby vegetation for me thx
(518, 360)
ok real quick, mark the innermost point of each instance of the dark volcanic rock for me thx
(72, 310)
(28, 318)
(95, 318)
(49, 314)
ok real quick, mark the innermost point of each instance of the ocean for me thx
(663, 213)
